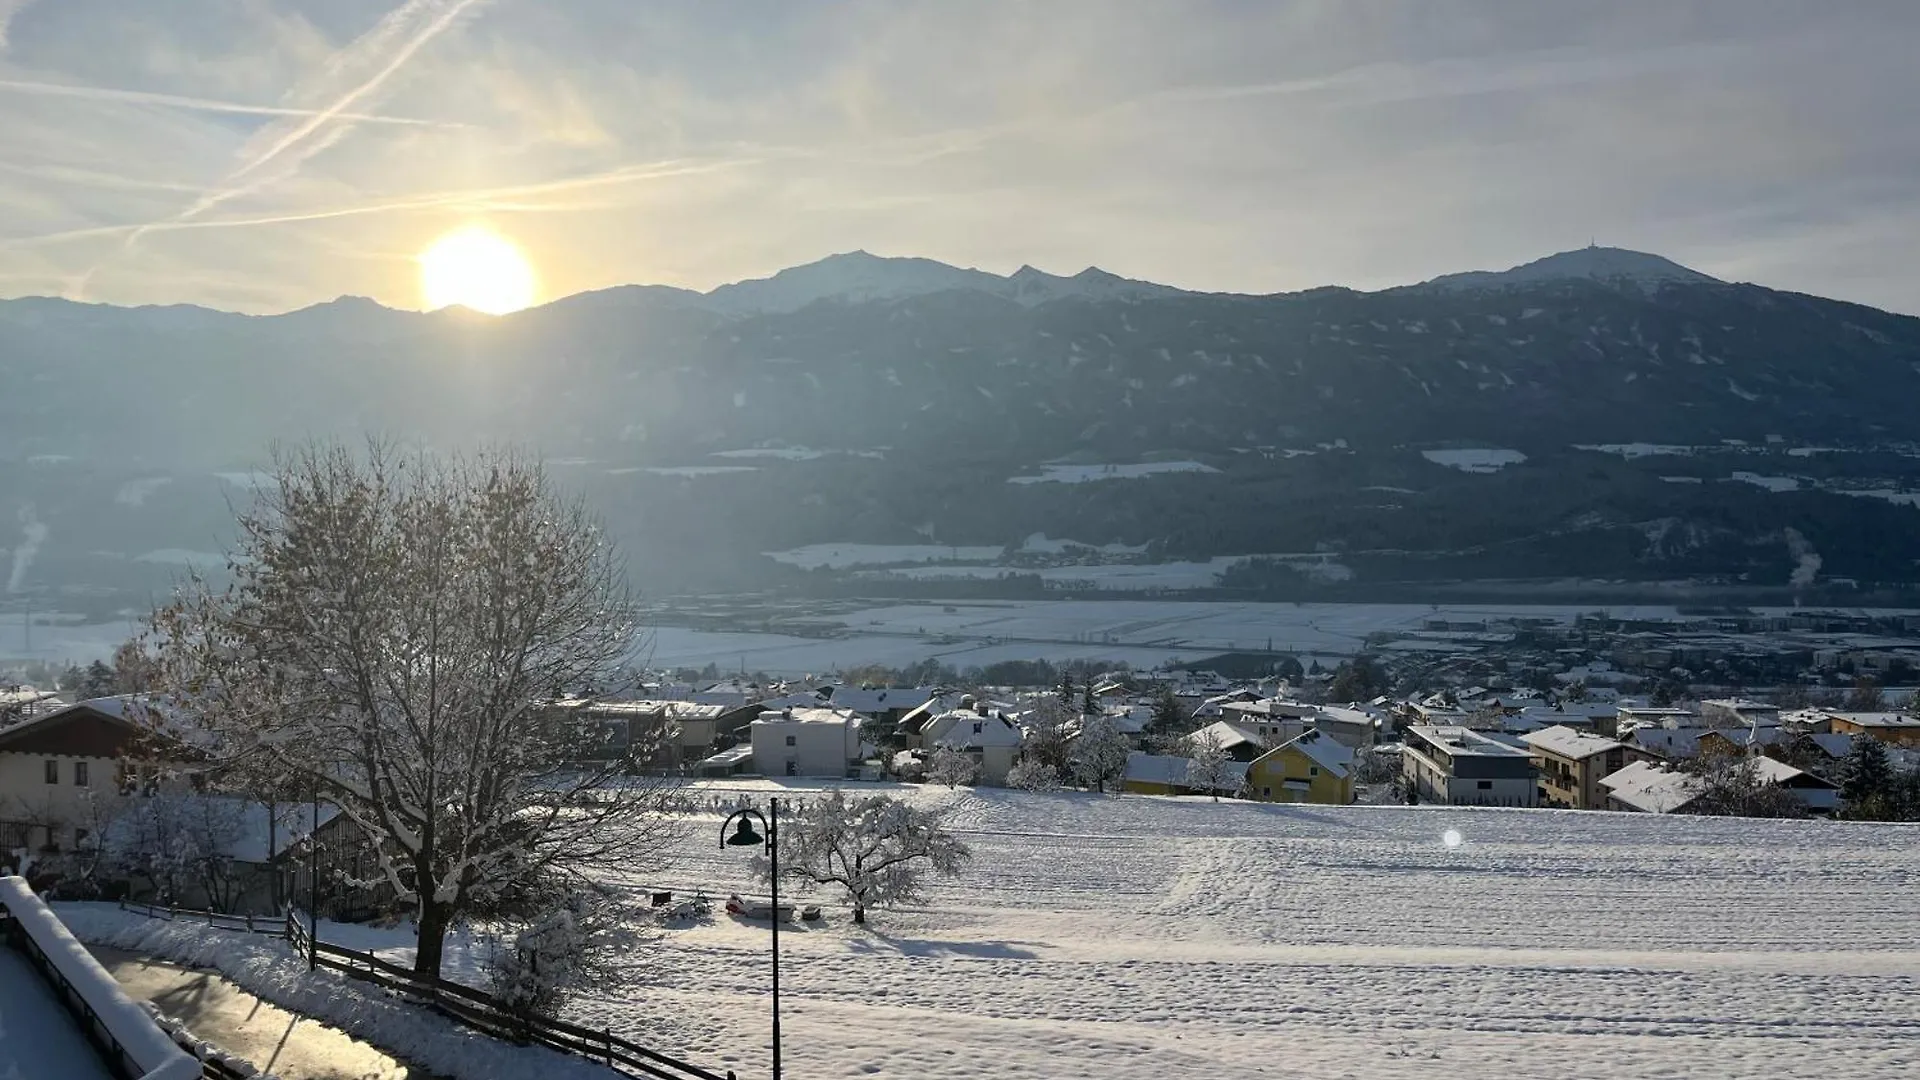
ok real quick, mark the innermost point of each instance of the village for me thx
(88, 792)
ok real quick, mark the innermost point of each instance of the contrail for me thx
(297, 143)
(499, 198)
(194, 104)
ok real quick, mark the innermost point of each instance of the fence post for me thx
(609, 1034)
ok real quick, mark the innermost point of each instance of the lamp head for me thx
(744, 834)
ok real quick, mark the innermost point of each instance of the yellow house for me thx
(1309, 768)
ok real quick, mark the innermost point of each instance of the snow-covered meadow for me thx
(1139, 937)
(1154, 938)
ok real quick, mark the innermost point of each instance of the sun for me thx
(477, 268)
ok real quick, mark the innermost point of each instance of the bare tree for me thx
(1209, 767)
(1032, 774)
(876, 847)
(394, 626)
(1099, 755)
(954, 768)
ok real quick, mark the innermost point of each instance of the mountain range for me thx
(1598, 415)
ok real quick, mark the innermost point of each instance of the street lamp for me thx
(745, 836)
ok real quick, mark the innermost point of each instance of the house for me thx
(659, 733)
(1310, 768)
(1239, 743)
(1892, 728)
(1628, 716)
(1738, 712)
(1167, 774)
(1352, 727)
(1648, 788)
(1571, 764)
(1667, 743)
(62, 772)
(219, 852)
(1651, 788)
(988, 737)
(1461, 767)
(805, 742)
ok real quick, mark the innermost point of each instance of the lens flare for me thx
(1452, 838)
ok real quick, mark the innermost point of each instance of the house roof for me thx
(1879, 721)
(1465, 742)
(1562, 741)
(1652, 789)
(1171, 769)
(1323, 750)
(1229, 735)
(806, 716)
(957, 729)
(83, 730)
(1666, 741)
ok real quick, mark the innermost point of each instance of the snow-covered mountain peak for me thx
(1612, 265)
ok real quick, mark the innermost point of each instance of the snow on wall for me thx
(140, 1038)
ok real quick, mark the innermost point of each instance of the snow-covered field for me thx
(1151, 938)
(1475, 461)
(1155, 938)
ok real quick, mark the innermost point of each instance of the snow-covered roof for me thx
(1652, 789)
(816, 715)
(1465, 742)
(1323, 750)
(1879, 721)
(966, 730)
(1172, 769)
(1563, 741)
(1666, 741)
(1229, 735)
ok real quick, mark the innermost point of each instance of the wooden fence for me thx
(481, 1011)
(252, 924)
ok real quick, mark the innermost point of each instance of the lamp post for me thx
(744, 836)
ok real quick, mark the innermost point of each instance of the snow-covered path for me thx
(1152, 938)
(38, 1038)
(272, 1039)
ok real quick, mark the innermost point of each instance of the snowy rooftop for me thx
(1465, 742)
(1563, 741)
(1650, 788)
(806, 716)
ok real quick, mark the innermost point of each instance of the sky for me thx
(261, 155)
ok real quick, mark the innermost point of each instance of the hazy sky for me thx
(265, 154)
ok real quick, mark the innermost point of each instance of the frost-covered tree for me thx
(179, 842)
(1032, 774)
(554, 955)
(876, 847)
(393, 629)
(1048, 735)
(954, 768)
(1209, 766)
(1099, 754)
(1732, 786)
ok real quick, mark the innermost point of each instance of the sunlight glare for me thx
(477, 268)
(1452, 838)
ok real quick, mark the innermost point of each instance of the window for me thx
(1266, 793)
(1485, 785)
(1313, 770)
(80, 774)
(790, 741)
(53, 772)
(976, 729)
(793, 767)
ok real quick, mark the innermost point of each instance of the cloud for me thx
(1217, 145)
(9, 9)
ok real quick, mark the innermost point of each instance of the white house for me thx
(62, 772)
(988, 737)
(1461, 767)
(805, 742)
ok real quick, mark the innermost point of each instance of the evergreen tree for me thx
(1066, 688)
(1866, 780)
(1171, 720)
(98, 681)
